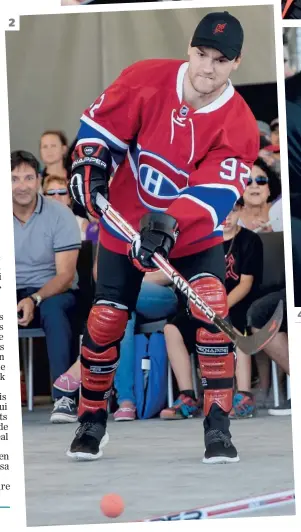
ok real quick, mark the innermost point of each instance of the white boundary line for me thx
(230, 508)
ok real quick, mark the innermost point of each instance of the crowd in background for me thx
(255, 216)
(258, 211)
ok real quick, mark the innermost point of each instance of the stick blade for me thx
(254, 343)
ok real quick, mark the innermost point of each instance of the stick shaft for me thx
(176, 278)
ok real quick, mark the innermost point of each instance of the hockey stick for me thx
(248, 344)
(231, 508)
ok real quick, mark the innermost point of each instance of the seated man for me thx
(47, 243)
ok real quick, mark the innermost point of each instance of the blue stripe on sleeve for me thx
(220, 199)
(86, 132)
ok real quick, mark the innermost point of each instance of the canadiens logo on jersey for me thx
(168, 157)
(159, 182)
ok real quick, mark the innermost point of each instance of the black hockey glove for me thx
(158, 233)
(90, 174)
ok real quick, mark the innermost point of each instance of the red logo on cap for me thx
(220, 28)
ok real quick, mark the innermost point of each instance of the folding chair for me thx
(26, 336)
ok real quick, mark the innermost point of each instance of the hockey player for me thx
(181, 142)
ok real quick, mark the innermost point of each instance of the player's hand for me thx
(90, 175)
(140, 256)
(158, 235)
(26, 307)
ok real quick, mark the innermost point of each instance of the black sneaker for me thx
(64, 411)
(90, 437)
(283, 410)
(219, 448)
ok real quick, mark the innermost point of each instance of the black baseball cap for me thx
(221, 31)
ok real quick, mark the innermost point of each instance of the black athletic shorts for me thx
(262, 309)
(119, 281)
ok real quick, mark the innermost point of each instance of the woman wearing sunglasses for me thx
(262, 190)
(56, 188)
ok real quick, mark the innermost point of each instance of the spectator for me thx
(244, 258)
(264, 130)
(56, 188)
(156, 301)
(47, 243)
(270, 154)
(263, 188)
(274, 125)
(244, 266)
(258, 314)
(53, 151)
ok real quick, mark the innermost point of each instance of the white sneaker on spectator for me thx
(64, 411)
(264, 399)
(283, 410)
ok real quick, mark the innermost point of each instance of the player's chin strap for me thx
(248, 344)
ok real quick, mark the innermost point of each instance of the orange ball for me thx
(112, 505)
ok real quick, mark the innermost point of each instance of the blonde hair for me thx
(60, 180)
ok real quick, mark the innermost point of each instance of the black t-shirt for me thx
(244, 258)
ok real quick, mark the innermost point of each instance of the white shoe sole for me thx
(64, 389)
(124, 419)
(220, 460)
(88, 457)
(63, 418)
(283, 412)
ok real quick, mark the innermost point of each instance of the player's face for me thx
(257, 194)
(231, 221)
(52, 149)
(208, 69)
(25, 185)
(59, 192)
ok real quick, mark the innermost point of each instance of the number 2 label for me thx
(13, 24)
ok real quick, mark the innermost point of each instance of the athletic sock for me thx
(189, 393)
(249, 394)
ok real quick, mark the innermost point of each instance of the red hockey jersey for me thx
(168, 157)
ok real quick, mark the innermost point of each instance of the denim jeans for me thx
(54, 316)
(154, 302)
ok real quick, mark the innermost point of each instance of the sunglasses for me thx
(59, 191)
(259, 180)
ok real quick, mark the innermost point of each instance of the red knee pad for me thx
(213, 292)
(100, 355)
(217, 364)
(106, 324)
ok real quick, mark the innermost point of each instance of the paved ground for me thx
(154, 465)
